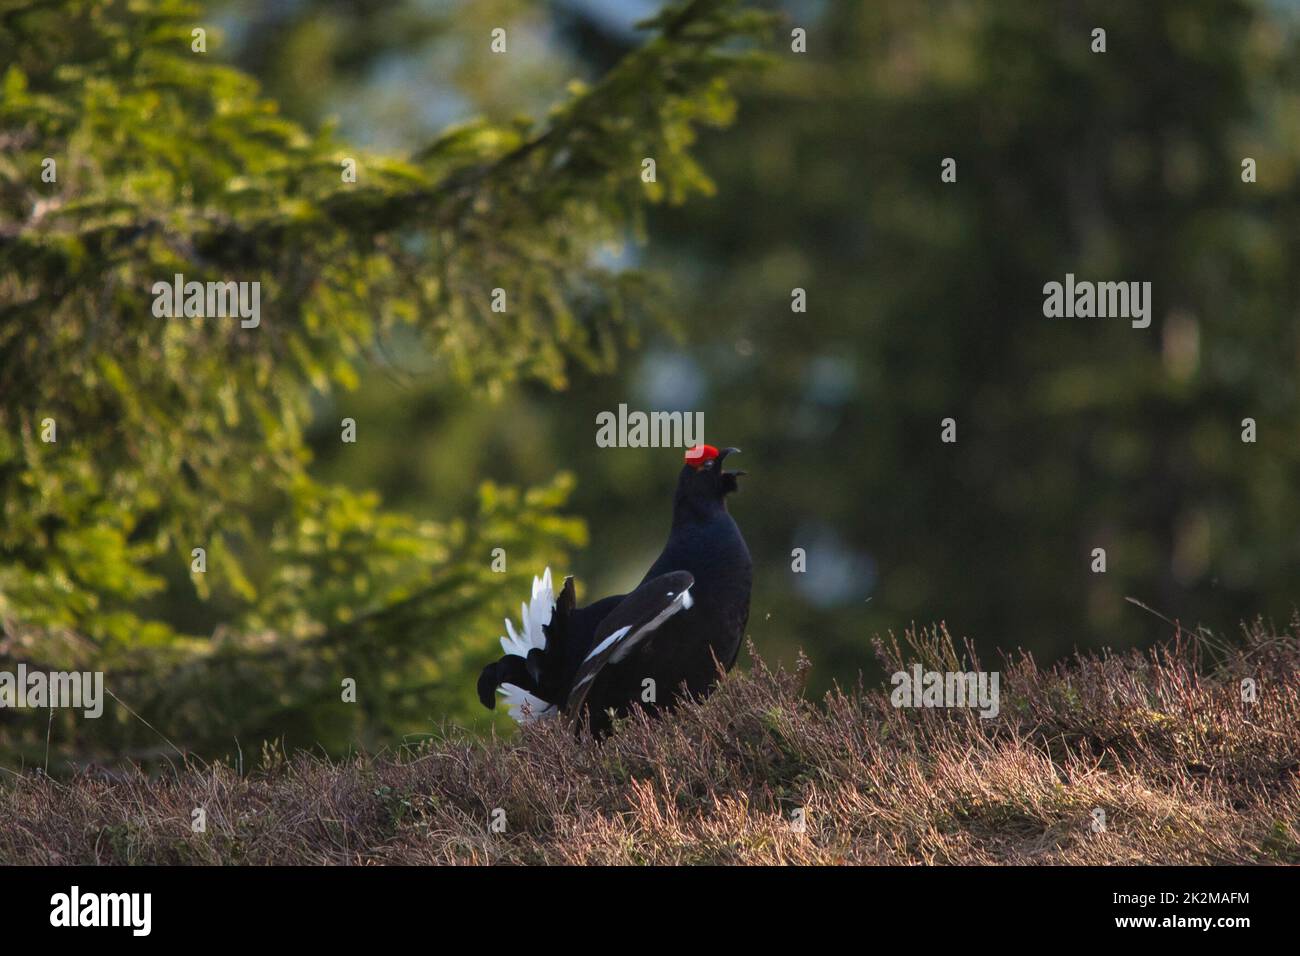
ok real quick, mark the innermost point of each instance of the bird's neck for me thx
(690, 511)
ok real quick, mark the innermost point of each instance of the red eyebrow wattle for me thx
(700, 454)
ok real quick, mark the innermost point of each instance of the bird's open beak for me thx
(722, 456)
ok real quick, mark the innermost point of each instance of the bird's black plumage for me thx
(686, 618)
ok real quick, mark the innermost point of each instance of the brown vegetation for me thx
(1185, 771)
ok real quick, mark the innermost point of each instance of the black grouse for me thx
(686, 616)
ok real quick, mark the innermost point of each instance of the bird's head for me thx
(702, 479)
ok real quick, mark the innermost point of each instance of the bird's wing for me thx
(631, 622)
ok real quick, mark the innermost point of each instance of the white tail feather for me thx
(525, 707)
(534, 614)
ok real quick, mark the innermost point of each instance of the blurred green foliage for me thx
(925, 301)
(184, 433)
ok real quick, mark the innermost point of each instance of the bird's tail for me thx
(529, 676)
(509, 677)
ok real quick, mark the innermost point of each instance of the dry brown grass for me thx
(1185, 772)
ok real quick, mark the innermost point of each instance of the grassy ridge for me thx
(1162, 742)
